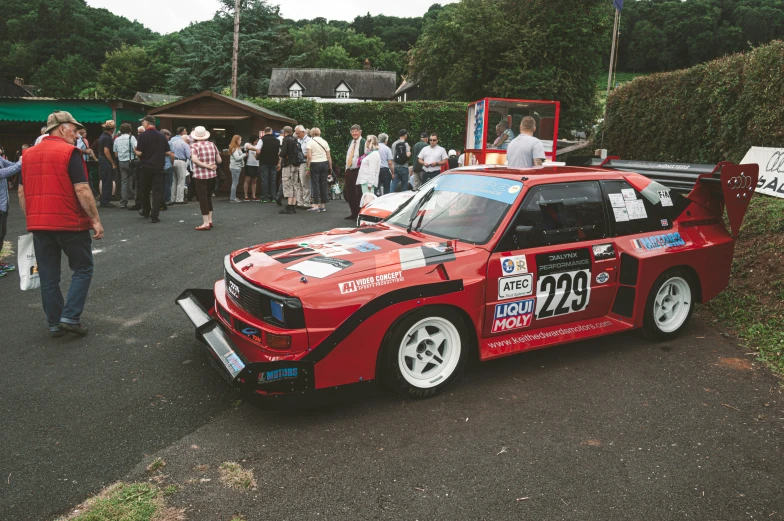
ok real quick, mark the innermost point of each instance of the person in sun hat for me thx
(205, 157)
(60, 210)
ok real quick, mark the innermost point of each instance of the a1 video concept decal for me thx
(564, 284)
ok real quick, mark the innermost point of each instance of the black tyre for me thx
(670, 304)
(425, 352)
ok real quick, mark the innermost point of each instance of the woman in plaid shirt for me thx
(205, 158)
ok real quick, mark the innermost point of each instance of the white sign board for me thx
(771, 169)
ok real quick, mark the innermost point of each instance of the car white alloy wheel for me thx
(672, 304)
(429, 352)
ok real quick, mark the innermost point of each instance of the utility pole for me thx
(236, 48)
(618, 4)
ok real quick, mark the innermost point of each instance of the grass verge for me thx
(234, 476)
(126, 502)
(752, 306)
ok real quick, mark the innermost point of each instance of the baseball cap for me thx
(452, 153)
(57, 118)
(424, 134)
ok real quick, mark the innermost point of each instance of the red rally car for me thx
(483, 262)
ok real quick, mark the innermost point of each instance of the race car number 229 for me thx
(562, 293)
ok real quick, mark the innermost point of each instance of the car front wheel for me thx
(425, 352)
(670, 304)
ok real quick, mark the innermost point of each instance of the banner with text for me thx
(771, 169)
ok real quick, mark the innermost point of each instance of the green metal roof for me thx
(38, 109)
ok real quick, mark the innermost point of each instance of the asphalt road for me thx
(617, 428)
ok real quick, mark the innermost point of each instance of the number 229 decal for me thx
(562, 293)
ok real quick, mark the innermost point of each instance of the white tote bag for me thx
(28, 266)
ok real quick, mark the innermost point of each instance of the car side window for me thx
(630, 212)
(557, 214)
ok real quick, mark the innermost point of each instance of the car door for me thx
(555, 263)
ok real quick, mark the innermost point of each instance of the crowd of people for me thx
(64, 180)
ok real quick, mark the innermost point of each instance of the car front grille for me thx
(257, 301)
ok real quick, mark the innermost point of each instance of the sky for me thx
(165, 16)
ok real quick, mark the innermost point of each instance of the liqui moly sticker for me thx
(513, 315)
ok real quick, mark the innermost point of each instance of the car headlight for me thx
(276, 309)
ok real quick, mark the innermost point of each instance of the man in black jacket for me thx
(268, 164)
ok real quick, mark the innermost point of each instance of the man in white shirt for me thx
(431, 158)
(302, 182)
(351, 192)
(461, 159)
(525, 151)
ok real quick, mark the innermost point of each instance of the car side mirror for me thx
(522, 236)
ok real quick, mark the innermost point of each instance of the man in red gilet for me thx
(60, 209)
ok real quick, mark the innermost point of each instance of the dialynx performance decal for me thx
(513, 315)
(563, 261)
(657, 242)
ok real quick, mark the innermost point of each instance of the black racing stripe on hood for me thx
(374, 306)
(402, 240)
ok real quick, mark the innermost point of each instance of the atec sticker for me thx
(602, 277)
(382, 279)
(513, 315)
(657, 242)
(516, 286)
(514, 264)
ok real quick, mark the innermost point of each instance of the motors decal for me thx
(603, 251)
(562, 261)
(657, 242)
(562, 293)
(514, 264)
(382, 279)
(515, 286)
(320, 267)
(513, 315)
(277, 375)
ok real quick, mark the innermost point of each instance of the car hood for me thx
(386, 204)
(338, 253)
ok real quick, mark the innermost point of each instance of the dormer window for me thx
(343, 91)
(296, 89)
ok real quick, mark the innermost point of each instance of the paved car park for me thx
(617, 428)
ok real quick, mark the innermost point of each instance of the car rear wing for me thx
(710, 186)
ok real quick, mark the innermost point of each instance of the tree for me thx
(126, 71)
(204, 51)
(467, 51)
(64, 78)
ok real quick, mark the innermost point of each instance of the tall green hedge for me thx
(447, 119)
(709, 113)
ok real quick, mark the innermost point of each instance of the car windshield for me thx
(459, 206)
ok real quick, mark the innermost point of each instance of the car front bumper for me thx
(275, 382)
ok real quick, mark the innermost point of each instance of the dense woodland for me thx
(538, 48)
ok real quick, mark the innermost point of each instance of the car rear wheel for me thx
(425, 352)
(670, 304)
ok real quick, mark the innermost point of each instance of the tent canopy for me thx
(38, 109)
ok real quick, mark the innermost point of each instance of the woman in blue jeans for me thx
(237, 161)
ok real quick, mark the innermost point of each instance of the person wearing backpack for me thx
(417, 174)
(401, 152)
(289, 169)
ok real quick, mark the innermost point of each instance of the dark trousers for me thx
(151, 181)
(49, 246)
(93, 176)
(268, 174)
(384, 179)
(351, 190)
(167, 184)
(107, 176)
(427, 176)
(319, 188)
(204, 194)
(3, 224)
